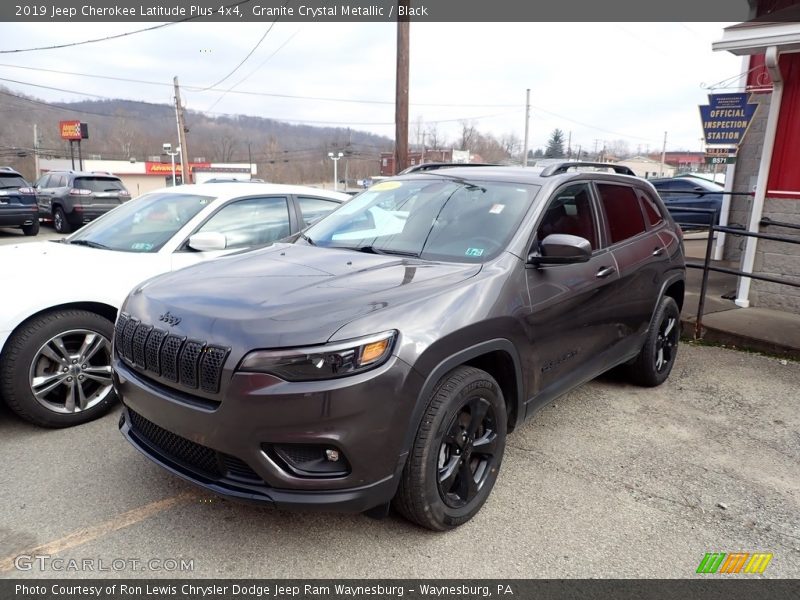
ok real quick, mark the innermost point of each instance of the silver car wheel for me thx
(71, 372)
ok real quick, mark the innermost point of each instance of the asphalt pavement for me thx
(611, 480)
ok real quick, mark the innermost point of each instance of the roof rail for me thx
(559, 168)
(441, 165)
(7, 169)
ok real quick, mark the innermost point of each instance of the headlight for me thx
(322, 362)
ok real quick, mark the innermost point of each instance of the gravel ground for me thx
(610, 481)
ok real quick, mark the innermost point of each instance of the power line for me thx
(194, 88)
(253, 72)
(249, 54)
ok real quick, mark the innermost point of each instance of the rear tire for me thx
(60, 223)
(457, 452)
(655, 361)
(32, 229)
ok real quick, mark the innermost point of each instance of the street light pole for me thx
(168, 150)
(335, 158)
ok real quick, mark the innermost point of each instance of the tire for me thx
(657, 357)
(32, 229)
(429, 497)
(66, 356)
(60, 223)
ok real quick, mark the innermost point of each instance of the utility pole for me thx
(35, 152)
(422, 155)
(401, 93)
(527, 123)
(180, 117)
(663, 154)
(596, 142)
(569, 145)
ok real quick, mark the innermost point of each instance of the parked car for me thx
(57, 319)
(17, 202)
(385, 352)
(73, 198)
(690, 192)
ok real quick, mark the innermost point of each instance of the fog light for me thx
(332, 455)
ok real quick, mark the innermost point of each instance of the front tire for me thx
(655, 361)
(456, 455)
(55, 370)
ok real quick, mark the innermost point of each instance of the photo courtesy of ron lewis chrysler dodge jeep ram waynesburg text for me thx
(385, 352)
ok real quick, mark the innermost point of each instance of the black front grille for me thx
(238, 468)
(193, 363)
(199, 458)
(176, 447)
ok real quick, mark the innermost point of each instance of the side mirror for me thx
(560, 249)
(208, 241)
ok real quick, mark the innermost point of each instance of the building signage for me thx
(726, 118)
(721, 155)
(157, 168)
(73, 130)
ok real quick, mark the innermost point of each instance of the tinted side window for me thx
(651, 209)
(251, 222)
(42, 182)
(622, 210)
(314, 208)
(570, 211)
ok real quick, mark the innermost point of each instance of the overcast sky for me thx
(601, 81)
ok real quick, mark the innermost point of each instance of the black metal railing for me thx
(707, 267)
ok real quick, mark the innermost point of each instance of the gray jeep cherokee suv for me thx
(384, 353)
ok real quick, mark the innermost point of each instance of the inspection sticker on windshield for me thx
(474, 252)
(385, 185)
(141, 246)
(497, 209)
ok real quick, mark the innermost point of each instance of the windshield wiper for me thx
(308, 239)
(374, 250)
(90, 244)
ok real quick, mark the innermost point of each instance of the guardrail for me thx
(707, 267)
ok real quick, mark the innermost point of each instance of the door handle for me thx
(658, 251)
(605, 271)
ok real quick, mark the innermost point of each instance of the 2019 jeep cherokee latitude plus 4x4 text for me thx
(386, 351)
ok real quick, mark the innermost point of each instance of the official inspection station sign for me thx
(726, 118)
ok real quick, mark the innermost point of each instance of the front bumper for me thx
(225, 449)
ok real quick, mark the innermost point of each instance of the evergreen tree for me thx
(555, 145)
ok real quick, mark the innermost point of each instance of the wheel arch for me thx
(100, 308)
(499, 358)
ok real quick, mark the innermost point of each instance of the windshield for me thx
(142, 225)
(436, 219)
(98, 184)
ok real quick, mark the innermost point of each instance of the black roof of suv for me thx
(73, 198)
(384, 353)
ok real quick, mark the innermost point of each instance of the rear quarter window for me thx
(623, 213)
(651, 209)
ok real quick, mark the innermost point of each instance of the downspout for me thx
(771, 61)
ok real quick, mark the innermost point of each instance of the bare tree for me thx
(468, 134)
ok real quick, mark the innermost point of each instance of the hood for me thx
(286, 295)
(70, 273)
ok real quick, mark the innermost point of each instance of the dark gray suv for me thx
(73, 198)
(384, 353)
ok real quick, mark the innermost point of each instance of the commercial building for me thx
(141, 177)
(768, 163)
